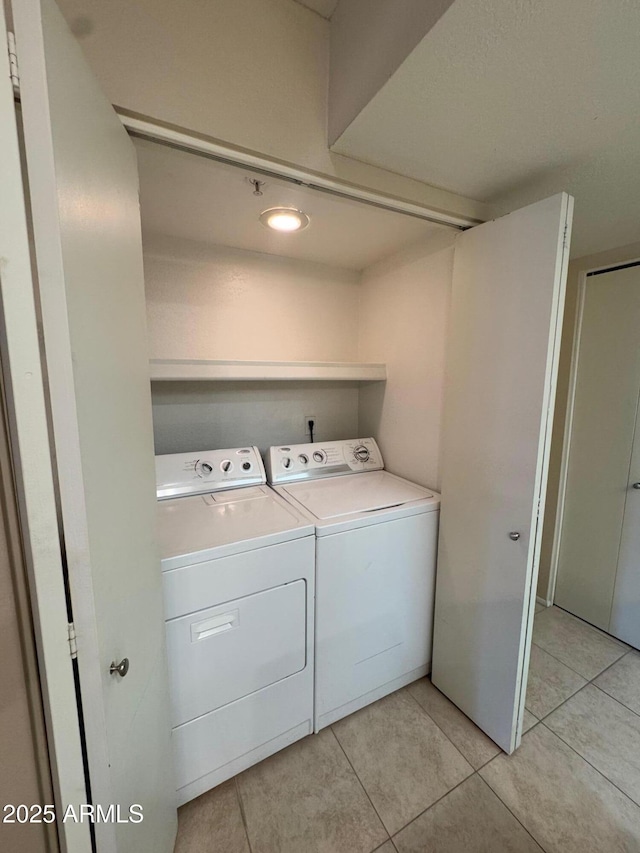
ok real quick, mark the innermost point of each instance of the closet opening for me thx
(250, 330)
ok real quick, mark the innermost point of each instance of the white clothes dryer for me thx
(238, 580)
(376, 540)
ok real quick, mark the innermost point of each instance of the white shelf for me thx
(187, 370)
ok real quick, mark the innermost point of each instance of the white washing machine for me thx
(376, 539)
(238, 579)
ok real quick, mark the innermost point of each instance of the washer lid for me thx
(367, 492)
(204, 527)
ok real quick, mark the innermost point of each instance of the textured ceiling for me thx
(191, 197)
(505, 100)
(326, 8)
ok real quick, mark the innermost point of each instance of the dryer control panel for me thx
(179, 474)
(323, 459)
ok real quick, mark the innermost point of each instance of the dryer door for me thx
(225, 652)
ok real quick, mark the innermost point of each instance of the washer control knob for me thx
(246, 466)
(318, 455)
(361, 453)
(206, 468)
(303, 458)
(286, 462)
(226, 466)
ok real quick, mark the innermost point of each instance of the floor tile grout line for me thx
(564, 663)
(242, 812)
(615, 698)
(361, 783)
(508, 808)
(438, 726)
(624, 646)
(611, 665)
(587, 681)
(388, 841)
(586, 760)
(564, 702)
(466, 779)
(435, 803)
(580, 689)
(599, 631)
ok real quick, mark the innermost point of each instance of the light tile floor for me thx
(412, 774)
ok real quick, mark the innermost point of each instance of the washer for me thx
(238, 579)
(376, 539)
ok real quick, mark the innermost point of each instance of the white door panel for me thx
(508, 292)
(625, 612)
(598, 563)
(26, 407)
(84, 198)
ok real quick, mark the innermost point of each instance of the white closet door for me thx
(508, 292)
(84, 198)
(598, 489)
(625, 612)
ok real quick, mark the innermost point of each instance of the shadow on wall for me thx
(208, 415)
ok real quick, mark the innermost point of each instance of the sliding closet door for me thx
(508, 292)
(599, 480)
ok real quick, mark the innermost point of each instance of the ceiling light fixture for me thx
(286, 219)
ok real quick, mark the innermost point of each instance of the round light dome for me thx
(285, 219)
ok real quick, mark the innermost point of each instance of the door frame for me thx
(569, 417)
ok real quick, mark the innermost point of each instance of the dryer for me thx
(238, 579)
(376, 540)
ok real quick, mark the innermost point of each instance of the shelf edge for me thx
(177, 370)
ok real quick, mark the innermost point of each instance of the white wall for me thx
(369, 41)
(206, 415)
(214, 302)
(404, 306)
(250, 73)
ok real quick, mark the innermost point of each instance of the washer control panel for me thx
(325, 459)
(180, 474)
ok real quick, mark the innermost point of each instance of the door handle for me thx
(514, 535)
(121, 668)
(636, 486)
(215, 625)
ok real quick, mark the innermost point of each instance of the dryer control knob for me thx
(361, 453)
(226, 466)
(206, 468)
(303, 458)
(286, 462)
(319, 456)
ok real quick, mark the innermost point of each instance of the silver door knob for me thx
(636, 486)
(121, 668)
(514, 535)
